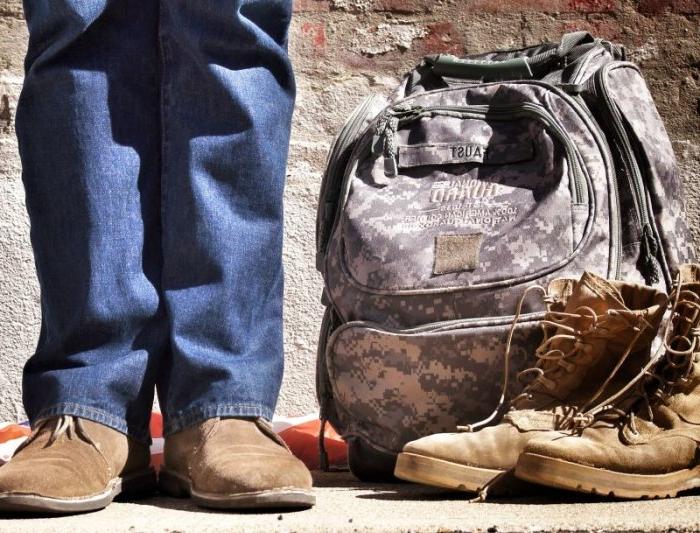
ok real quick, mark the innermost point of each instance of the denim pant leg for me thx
(227, 100)
(88, 131)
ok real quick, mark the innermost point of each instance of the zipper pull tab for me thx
(379, 129)
(649, 248)
(391, 167)
(386, 128)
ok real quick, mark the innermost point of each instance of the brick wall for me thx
(342, 50)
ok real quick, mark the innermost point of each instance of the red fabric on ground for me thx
(302, 439)
(13, 432)
(156, 425)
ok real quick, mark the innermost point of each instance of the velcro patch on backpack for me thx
(456, 253)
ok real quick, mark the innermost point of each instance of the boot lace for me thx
(566, 339)
(70, 426)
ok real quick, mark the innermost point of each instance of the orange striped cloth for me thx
(300, 434)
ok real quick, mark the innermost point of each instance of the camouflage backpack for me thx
(479, 177)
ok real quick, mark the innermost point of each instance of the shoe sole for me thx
(139, 485)
(445, 474)
(279, 498)
(561, 474)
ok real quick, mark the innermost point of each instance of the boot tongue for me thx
(594, 292)
(599, 296)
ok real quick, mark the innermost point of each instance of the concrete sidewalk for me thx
(347, 505)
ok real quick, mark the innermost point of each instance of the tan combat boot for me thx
(235, 463)
(646, 444)
(594, 329)
(71, 465)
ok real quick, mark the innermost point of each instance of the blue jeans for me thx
(153, 137)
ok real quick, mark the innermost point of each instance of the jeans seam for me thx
(94, 414)
(194, 415)
(164, 99)
(164, 95)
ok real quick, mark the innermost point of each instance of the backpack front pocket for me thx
(465, 196)
(390, 386)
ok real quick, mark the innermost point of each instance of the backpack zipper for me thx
(394, 117)
(579, 102)
(649, 246)
(443, 326)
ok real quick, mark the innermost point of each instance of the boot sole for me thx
(445, 474)
(561, 474)
(279, 498)
(138, 485)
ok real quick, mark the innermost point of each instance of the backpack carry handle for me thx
(514, 67)
(448, 65)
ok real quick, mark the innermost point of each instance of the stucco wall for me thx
(342, 50)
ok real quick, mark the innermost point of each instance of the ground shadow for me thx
(163, 501)
(509, 490)
(542, 496)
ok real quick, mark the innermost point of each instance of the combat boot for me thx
(644, 444)
(596, 334)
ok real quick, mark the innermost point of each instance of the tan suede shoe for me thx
(70, 465)
(235, 463)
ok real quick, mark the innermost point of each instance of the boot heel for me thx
(173, 485)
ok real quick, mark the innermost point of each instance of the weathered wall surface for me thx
(342, 50)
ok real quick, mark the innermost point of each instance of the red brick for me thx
(593, 6)
(686, 7)
(313, 36)
(442, 38)
(607, 28)
(311, 6)
(543, 6)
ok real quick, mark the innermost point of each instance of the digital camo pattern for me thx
(340, 151)
(393, 387)
(658, 164)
